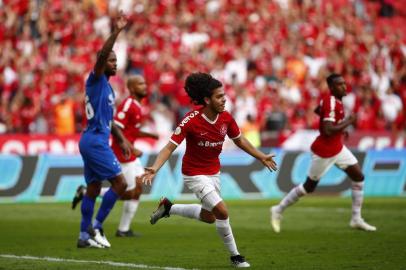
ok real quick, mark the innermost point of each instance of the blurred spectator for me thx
(391, 107)
(272, 57)
(64, 117)
(251, 131)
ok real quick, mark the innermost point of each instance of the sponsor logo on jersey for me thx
(187, 118)
(121, 115)
(209, 144)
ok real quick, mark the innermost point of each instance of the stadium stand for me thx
(272, 56)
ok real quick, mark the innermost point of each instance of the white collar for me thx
(208, 120)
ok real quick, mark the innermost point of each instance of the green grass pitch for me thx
(315, 235)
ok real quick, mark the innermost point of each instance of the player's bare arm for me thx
(329, 128)
(267, 160)
(160, 160)
(104, 53)
(146, 134)
(125, 145)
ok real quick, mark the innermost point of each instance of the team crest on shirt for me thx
(178, 130)
(223, 130)
(121, 115)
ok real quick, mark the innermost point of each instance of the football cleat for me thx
(128, 233)
(99, 236)
(276, 218)
(80, 192)
(163, 209)
(362, 225)
(239, 261)
(89, 243)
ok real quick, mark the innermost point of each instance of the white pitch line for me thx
(111, 263)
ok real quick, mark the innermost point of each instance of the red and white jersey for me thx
(129, 118)
(331, 109)
(204, 141)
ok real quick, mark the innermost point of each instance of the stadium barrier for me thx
(51, 177)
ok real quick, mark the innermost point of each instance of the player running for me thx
(204, 130)
(328, 150)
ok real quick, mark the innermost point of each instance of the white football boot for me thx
(100, 238)
(359, 223)
(89, 243)
(276, 218)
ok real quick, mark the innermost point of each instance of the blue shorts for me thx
(100, 163)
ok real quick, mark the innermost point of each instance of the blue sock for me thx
(109, 199)
(87, 209)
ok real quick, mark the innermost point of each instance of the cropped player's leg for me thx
(117, 188)
(318, 168)
(224, 230)
(131, 202)
(166, 209)
(357, 192)
(348, 162)
(87, 209)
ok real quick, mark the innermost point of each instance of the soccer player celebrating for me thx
(328, 150)
(204, 130)
(99, 160)
(128, 118)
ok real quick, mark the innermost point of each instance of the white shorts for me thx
(130, 171)
(320, 165)
(206, 188)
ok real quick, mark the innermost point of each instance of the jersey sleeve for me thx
(233, 131)
(124, 113)
(183, 128)
(328, 109)
(179, 134)
(92, 78)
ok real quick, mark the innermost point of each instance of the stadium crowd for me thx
(272, 56)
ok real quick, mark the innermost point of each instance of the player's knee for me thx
(358, 178)
(210, 219)
(123, 186)
(220, 212)
(138, 190)
(120, 188)
(310, 185)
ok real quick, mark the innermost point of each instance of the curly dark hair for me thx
(200, 85)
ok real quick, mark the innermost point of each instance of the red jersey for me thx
(204, 141)
(331, 109)
(129, 119)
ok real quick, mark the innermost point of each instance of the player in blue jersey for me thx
(99, 160)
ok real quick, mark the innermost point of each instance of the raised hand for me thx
(148, 176)
(121, 21)
(269, 162)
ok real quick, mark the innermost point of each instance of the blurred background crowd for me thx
(272, 56)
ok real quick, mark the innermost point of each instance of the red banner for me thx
(361, 140)
(35, 144)
(297, 141)
(65, 145)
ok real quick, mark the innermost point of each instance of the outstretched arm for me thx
(160, 160)
(121, 22)
(146, 134)
(267, 160)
